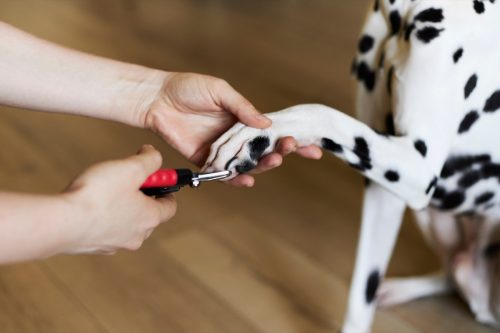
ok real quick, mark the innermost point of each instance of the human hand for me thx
(193, 110)
(111, 211)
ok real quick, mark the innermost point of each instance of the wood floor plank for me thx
(324, 295)
(260, 275)
(145, 292)
(32, 302)
(229, 278)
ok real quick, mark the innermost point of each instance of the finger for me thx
(234, 102)
(286, 145)
(148, 160)
(166, 207)
(268, 162)
(242, 181)
(312, 152)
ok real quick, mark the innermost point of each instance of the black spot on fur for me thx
(366, 75)
(432, 184)
(439, 193)
(493, 102)
(421, 147)
(457, 55)
(258, 146)
(459, 163)
(484, 198)
(395, 20)
(363, 152)
(389, 124)
(365, 43)
(469, 120)
(245, 167)
(430, 15)
(361, 148)
(469, 179)
(331, 146)
(478, 6)
(470, 85)
(392, 176)
(408, 30)
(372, 286)
(427, 34)
(376, 6)
(490, 170)
(390, 75)
(453, 200)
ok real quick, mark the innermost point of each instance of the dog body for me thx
(427, 137)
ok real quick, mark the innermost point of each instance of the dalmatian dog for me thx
(427, 137)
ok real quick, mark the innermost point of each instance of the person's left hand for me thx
(193, 110)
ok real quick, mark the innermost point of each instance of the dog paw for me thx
(398, 291)
(393, 292)
(240, 149)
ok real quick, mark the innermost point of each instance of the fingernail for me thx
(144, 147)
(263, 118)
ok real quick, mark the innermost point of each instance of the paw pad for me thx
(258, 146)
(245, 167)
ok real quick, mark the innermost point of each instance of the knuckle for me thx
(134, 245)
(221, 83)
(135, 167)
(168, 210)
(156, 157)
(245, 103)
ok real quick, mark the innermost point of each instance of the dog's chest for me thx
(470, 179)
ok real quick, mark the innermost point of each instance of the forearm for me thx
(34, 226)
(40, 75)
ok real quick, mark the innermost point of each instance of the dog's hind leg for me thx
(396, 291)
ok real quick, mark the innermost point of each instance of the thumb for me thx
(148, 160)
(240, 107)
(167, 207)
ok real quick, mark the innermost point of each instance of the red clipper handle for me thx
(161, 178)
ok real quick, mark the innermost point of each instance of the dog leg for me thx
(401, 290)
(393, 162)
(381, 220)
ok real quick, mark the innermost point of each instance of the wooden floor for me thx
(273, 259)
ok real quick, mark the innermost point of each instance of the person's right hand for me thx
(111, 212)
